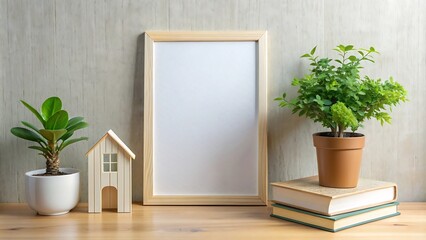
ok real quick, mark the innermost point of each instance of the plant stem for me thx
(341, 129)
(343, 58)
(334, 131)
(52, 160)
(52, 164)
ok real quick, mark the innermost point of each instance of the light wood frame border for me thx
(257, 36)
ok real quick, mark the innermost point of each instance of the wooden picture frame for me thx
(166, 53)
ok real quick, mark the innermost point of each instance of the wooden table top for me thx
(17, 221)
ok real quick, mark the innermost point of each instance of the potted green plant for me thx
(53, 190)
(335, 95)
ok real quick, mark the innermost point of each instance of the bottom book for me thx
(338, 222)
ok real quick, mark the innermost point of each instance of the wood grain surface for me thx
(17, 221)
(90, 53)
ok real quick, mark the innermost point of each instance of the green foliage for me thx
(59, 120)
(50, 107)
(343, 117)
(35, 112)
(338, 81)
(27, 134)
(52, 135)
(56, 129)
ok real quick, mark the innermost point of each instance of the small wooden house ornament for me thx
(110, 175)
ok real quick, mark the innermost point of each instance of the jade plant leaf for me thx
(77, 126)
(26, 134)
(29, 125)
(71, 141)
(50, 107)
(74, 121)
(66, 136)
(35, 112)
(52, 135)
(44, 150)
(59, 120)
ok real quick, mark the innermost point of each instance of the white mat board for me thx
(205, 127)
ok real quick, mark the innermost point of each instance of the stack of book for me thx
(333, 209)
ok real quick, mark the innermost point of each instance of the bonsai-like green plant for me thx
(335, 95)
(55, 134)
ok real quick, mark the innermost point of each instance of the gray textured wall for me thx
(88, 53)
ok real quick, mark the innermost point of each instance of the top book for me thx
(307, 194)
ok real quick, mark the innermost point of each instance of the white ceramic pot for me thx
(52, 195)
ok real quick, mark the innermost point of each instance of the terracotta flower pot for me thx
(339, 159)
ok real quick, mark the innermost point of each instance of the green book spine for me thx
(335, 217)
(339, 229)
